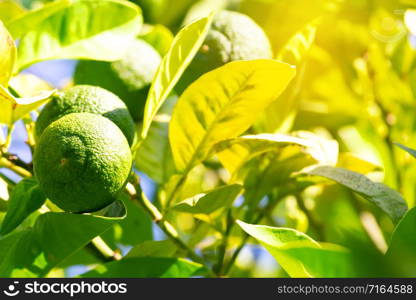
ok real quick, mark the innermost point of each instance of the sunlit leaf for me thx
(280, 115)
(352, 162)
(9, 10)
(158, 164)
(25, 198)
(159, 36)
(296, 49)
(84, 29)
(183, 49)
(13, 109)
(209, 202)
(7, 55)
(223, 104)
(390, 201)
(234, 153)
(28, 85)
(301, 256)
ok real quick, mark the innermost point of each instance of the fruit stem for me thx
(4, 162)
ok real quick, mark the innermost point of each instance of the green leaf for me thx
(221, 105)
(132, 230)
(183, 49)
(13, 109)
(10, 10)
(390, 201)
(164, 248)
(301, 256)
(221, 197)
(83, 29)
(147, 267)
(402, 247)
(159, 36)
(234, 153)
(61, 234)
(25, 198)
(54, 237)
(158, 164)
(407, 149)
(18, 251)
(7, 55)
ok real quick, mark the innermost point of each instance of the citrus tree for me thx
(207, 138)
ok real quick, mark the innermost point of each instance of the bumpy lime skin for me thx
(129, 78)
(233, 36)
(89, 99)
(82, 161)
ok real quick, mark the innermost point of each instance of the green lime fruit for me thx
(89, 99)
(128, 78)
(233, 36)
(82, 161)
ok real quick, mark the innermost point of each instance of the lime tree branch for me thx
(137, 195)
(225, 269)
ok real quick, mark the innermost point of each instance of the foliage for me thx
(307, 156)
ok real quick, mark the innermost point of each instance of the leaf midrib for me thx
(212, 126)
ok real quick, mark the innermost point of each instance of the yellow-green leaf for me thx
(222, 104)
(280, 115)
(13, 109)
(209, 202)
(301, 256)
(298, 46)
(10, 10)
(83, 29)
(159, 36)
(352, 162)
(234, 153)
(183, 49)
(7, 55)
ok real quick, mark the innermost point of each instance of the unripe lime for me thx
(89, 99)
(233, 36)
(82, 161)
(128, 78)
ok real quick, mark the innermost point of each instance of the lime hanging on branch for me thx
(233, 36)
(88, 99)
(82, 161)
(129, 78)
